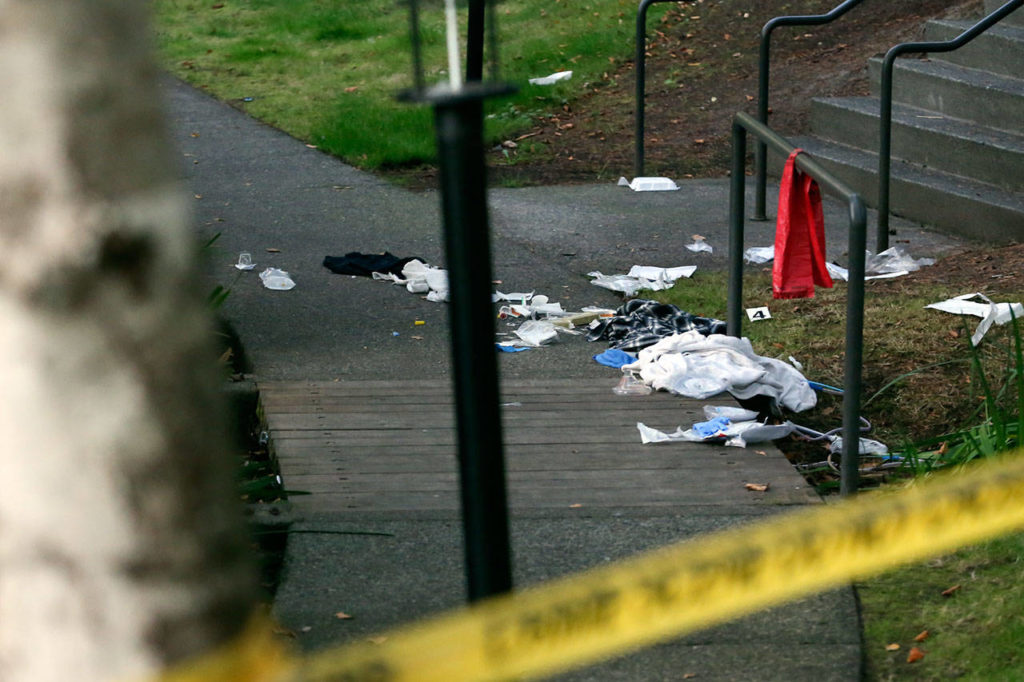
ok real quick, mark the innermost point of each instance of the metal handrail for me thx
(885, 105)
(641, 77)
(743, 124)
(760, 155)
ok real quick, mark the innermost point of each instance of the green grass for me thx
(921, 381)
(328, 72)
(975, 633)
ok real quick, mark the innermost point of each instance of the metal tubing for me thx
(459, 123)
(744, 123)
(885, 105)
(737, 180)
(475, 41)
(640, 69)
(854, 358)
(764, 60)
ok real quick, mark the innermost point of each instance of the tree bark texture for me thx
(122, 548)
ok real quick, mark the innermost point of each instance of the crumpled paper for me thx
(420, 278)
(277, 279)
(642, 277)
(552, 79)
(989, 312)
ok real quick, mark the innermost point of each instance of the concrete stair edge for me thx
(950, 203)
(949, 145)
(999, 50)
(983, 97)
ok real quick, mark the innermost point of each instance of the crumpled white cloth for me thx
(642, 277)
(700, 366)
(420, 278)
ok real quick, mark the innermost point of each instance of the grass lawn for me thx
(328, 72)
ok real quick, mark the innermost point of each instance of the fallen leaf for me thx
(914, 655)
(341, 615)
(756, 487)
(892, 647)
(698, 237)
(352, 88)
(418, 338)
(273, 250)
(219, 5)
(699, 140)
(575, 506)
(377, 640)
(923, 635)
(950, 591)
(689, 676)
(761, 452)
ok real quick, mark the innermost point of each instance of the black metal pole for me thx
(640, 69)
(737, 182)
(459, 123)
(475, 41)
(760, 148)
(853, 382)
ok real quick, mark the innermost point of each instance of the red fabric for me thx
(799, 236)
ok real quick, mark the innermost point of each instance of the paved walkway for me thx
(361, 417)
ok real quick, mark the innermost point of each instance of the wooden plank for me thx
(524, 500)
(510, 419)
(694, 464)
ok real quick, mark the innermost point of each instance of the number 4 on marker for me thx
(756, 314)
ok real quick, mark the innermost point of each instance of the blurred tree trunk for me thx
(122, 548)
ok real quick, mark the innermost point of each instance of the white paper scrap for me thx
(276, 279)
(699, 245)
(552, 79)
(756, 255)
(649, 184)
(989, 312)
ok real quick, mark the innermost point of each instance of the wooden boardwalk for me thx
(367, 446)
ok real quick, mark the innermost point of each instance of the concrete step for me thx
(926, 138)
(985, 98)
(1015, 19)
(946, 202)
(999, 50)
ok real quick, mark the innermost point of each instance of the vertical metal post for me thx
(737, 182)
(459, 123)
(640, 71)
(475, 41)
(853, 382)
(760, 148)
(884, 151)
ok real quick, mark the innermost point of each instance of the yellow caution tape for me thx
(684, 587)
(257, 655)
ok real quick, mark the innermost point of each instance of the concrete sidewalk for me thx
(260, 189)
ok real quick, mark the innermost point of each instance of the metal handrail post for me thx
(743, 124)
(763, 64)
(640, 69)
(475, 41)
(885, 105)
(853, 382)
(737, 180)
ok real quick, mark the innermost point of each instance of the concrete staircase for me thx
(957, 135)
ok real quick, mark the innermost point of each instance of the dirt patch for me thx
(701, 69)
